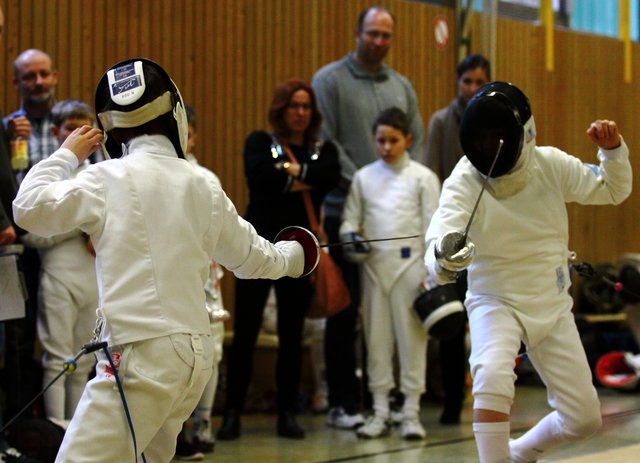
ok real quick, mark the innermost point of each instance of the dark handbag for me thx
(330, 293)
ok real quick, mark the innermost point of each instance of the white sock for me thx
(381, 404)
(411, 406)
(492, 441)
(545, 435)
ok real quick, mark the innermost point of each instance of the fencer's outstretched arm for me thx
(49, 203)
(608, 183)
(247, 254)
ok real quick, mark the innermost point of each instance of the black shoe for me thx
(288, 426)
(204, 446)
(187, 451)
(230, 429)
(451, 415)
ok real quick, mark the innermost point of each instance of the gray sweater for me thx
(443, 139)
(350, 98)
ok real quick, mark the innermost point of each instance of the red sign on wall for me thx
(441, 31)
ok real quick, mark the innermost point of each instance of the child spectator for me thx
(68, 296)
(389, 197)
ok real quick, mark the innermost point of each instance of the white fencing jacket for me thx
(388, 201)
(522, 238)
(156, 224)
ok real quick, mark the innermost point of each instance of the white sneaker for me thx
(337, 417)
(396, 417)
(411, 429)
(375, 426)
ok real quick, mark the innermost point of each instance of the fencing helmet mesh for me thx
(135, 92)
(498, 110)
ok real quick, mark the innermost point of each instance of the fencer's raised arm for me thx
(604, 133)
(611, 181)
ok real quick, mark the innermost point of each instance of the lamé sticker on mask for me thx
(126, 83)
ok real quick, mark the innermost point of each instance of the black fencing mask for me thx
(499, 110)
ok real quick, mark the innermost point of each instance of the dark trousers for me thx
(453, 360)
(21, 377)
(340, 333)
(293, 296)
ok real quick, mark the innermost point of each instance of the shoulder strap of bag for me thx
(311, 213)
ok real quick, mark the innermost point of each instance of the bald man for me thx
(35, 78)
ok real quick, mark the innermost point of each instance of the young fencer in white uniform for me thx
(156, 225)
(68, 294)
(519, 277)
(390, 197)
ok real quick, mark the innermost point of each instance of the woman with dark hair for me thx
(279, 166)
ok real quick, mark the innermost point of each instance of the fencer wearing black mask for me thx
(516, 255)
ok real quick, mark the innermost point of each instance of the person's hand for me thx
(7, 236)
(355, 251)
(309, 247)
(453, 253)
(292, 168)
(83, 141)
(19, 127)
(604, 133)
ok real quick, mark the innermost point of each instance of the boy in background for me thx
(68, 295)
(390, 197)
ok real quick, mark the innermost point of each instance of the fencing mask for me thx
(135, 92)
(498, 110)
(440, 311)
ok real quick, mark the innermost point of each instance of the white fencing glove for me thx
(453, 253)
(309, 243)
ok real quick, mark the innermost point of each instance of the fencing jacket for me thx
(522, 239)
(387, 201)
(156, 224)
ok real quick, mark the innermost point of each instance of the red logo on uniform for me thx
(115, 356)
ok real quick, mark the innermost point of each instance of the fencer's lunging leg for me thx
(562, 364)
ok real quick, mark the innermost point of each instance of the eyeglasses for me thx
(297, 106)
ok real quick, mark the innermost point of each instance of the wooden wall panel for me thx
(228, 55)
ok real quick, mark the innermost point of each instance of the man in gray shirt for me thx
(351, 92)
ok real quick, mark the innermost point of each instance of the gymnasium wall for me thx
(226, 56)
